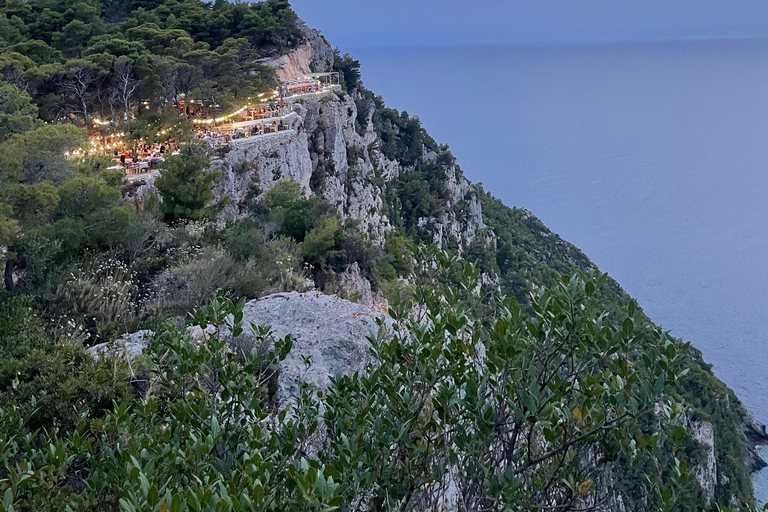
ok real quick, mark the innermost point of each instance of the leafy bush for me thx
(206, 439)
(283, 211)
(514, 427)
(399, 252)
(322, 246)
(186, 185)
(195, 280)
(525, 423)
(50, 380)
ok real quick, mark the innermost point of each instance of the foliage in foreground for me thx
(522, 413)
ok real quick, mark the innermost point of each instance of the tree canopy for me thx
(86, 58)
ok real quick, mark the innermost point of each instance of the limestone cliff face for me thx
(755, 433)
(329, 155)
(322, 52)
(705, 472)
(332, 332)
(293, 64)
(314, 56)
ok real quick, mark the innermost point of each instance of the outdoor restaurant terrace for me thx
(264, 114)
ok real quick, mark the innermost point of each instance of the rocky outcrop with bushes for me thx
(381, 173)
(379, 168)
(334, 155)
(329, 335)
(353, 200)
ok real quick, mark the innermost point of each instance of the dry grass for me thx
(106, 296)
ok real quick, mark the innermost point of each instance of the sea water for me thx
(650, 157)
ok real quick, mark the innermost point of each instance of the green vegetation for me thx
(83, 59)
(17, 112)
(524, 256)
(68, 237)
(186, 185)
(349, 70)
(187, 428)
(529, 254)
(577, 393)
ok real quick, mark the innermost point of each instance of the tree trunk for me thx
(126, 96)
(85, 113)
(9, 275)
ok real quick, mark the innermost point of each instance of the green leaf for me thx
(175, 503)
(153, 497)
(8, 499)
(126, 505)
(627, 327)
(215, 428)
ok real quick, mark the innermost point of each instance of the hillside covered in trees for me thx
(518, 377)
(83, 59)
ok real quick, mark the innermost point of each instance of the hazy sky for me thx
(357, 23)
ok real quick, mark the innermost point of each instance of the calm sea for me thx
(652, 158)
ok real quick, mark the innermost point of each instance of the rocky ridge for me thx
(343, 161)
(756, 435)
(330, 155)
(326, 155)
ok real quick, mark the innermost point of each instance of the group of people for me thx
(212, 137)
(258, 129)
(221, 138)
(304, 88)
(146, 156)
(273, 109)
(264, 111)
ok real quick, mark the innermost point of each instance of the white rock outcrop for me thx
(322, 51)
(354, 286)
(706, 472)
(293, 64)
(128, 345)
(329, 331)
(328, 155)
(332, 332)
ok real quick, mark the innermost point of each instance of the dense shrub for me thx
(322, 246)
(195, 280)
(398, 250)
(105, 298)
(512, 430)
(46, 376)
(186, 185)
(283, 211)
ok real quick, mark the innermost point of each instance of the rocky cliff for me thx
(337, 151)
(327, 155)
(755, 433)
(350, 150)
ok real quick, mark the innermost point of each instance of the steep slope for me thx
(380, 168)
